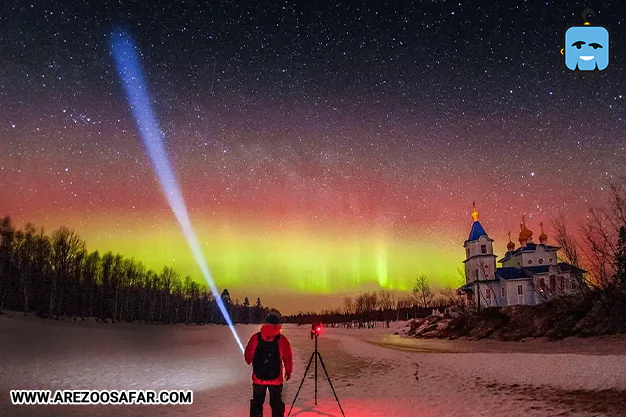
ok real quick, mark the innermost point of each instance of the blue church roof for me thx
(477, 231)
(511, 273)
(527, 272)
(571, 268)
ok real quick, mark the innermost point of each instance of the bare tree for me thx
(348, 305)
(360, 307)
(460, 276)
(570, 249)
(451, 296)
(67, 250)
(25, 256)
(386, 303)
(567, 242)
(371, 305)
(371, 302)
(620, 259)
(92, 272)
(601, 234)
(404, 304)
(422, 293)
(386, 300)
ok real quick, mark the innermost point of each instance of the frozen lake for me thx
(415, 379)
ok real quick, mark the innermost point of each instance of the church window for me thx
(520, 290)
(530, 262)
(542, 284)
(562, 283)
(467, 252)
(552, 283)
(488, 294)
(519, 264)
(483, 248)
(502, 292)
(540, 261)
(550, 260)
(573, 285)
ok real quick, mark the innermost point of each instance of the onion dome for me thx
(510, 246)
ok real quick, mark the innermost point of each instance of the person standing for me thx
(270, 354)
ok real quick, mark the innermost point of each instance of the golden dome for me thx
(525, 234)
(475, 213)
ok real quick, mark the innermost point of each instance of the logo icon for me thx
(587, 48)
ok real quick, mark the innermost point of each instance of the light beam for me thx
(126, 58)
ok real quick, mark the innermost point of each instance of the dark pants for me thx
(258, 399)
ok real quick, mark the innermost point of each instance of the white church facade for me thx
(530, 274)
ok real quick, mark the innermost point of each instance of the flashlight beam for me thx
(126, 58)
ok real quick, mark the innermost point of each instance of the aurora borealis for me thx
(322, 149)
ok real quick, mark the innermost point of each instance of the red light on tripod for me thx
(316, 329)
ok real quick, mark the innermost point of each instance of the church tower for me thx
(480, 262)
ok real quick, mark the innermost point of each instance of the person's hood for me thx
(270, 331)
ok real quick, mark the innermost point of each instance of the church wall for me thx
(538, 257)
(513, 298)
(494, 299)
(474, 247)
(484, 263)
(572, 282)
(511, 262)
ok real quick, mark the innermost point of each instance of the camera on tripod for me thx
(316, 330)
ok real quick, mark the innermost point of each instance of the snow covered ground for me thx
(417, 379)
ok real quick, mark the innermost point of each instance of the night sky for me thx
(322, 148)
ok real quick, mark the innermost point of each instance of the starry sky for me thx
(323, 148)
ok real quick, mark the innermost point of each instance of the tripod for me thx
(316, 355)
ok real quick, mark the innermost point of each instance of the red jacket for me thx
(268, 333)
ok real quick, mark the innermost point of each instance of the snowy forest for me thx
(55, 276)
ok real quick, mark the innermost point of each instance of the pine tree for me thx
(226, 298)
(246, 311)
(228, 303)
(258, 311)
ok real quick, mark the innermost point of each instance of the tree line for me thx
(55, 276)
(369, 308)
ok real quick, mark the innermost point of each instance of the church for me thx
(530, 274)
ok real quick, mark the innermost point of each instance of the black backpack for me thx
(266, 362)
